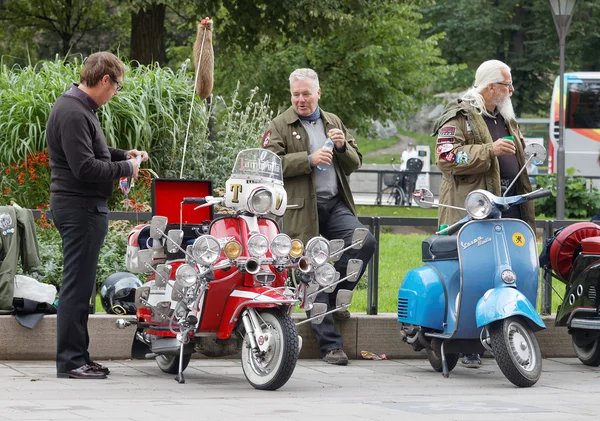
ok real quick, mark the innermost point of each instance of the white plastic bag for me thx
(27, 287)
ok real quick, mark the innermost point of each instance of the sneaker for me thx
(471, 361)
(341, 315)
(336, 356)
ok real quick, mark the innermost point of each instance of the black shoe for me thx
(471, 361)
(99, 368)
(336, 356)
(341, 315)
(83, 372)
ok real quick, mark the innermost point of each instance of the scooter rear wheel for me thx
(170, 363)
(435, 359)
(517, 351)
(273, 368)
(588, 354)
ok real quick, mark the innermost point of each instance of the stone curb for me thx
(378, 334)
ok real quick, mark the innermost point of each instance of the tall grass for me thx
(150, 113)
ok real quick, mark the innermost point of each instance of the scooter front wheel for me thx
(271, 369)
(170, 363)
(588, 354)
(435, 359)
(517, 351)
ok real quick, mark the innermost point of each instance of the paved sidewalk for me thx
(364, 390)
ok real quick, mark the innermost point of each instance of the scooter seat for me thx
(440, 247)
(590, 245)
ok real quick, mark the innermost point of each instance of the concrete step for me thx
(379, 334)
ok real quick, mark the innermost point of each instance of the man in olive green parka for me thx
(318, 155)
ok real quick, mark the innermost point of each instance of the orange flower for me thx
(7, 170)
(21, 177)
(6, 190)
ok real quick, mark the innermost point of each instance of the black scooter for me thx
(573, 256)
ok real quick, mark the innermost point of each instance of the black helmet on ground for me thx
(118, 293)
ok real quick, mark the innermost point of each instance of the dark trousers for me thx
(337, 221)
(82, 231)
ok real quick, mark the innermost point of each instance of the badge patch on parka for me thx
(448, 156)
(266, 138)
(447, 131)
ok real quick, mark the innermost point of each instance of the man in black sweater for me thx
(83, 169)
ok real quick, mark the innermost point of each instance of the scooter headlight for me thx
(325, 275)
(509, 276)
(317, 250)
(258, 245)
(479, 204)
(281, 245)
(297, 249)
(260, 201)
(186, 276)
(206, 249)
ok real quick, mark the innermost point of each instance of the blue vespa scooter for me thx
(478, 288)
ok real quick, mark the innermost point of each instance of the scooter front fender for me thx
(502, 303)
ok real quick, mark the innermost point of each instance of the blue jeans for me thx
(337, 221)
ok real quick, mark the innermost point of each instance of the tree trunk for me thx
(148, 35)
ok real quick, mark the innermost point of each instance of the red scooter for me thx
(223, 286)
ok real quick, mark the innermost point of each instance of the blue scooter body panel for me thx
(422, 299)
(501, 303)
(486, 249)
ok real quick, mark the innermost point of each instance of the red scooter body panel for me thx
(235, 305)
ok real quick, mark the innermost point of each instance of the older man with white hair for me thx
(479, 146)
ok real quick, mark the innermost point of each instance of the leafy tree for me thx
(372, 62)
(522, 34)
(69, 20)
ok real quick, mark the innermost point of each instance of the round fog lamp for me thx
(325, 275)
(297, 249)
(281, 245)
(317, 250)
(206, 249)
(232, 250)
(186, 276)
(258, 245)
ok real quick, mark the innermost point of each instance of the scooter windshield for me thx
(257, 164)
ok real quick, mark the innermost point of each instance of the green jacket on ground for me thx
(467, 132)
(17, 239)
(287, 138)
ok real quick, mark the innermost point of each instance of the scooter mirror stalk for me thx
(336, 247)
(158, 223)
(358, 238)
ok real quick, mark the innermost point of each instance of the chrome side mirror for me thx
(145, 259)
(175, 237)
(188, 255)
(163, 272)
(424, 198)
(538, 151)
(141, 296)
(344, 298)
(358, 238)
(158, 223)
(318, 309)
(353, 269)
(335, 249)
(163, 309)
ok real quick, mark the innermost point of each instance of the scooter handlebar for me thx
(194, 200)
(538, 194)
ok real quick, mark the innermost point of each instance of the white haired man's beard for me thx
(506, 110)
